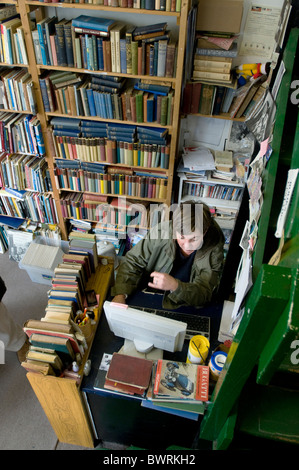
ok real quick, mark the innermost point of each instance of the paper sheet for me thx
(259, 33)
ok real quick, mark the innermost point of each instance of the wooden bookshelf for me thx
(27, 9)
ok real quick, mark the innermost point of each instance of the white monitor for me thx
(145, 329)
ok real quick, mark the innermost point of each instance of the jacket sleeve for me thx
(132, 266)
(199, 291)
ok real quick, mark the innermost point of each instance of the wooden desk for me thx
(61, 398)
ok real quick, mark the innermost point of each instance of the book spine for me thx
(68, 40)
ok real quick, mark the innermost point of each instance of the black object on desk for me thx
(121, 419)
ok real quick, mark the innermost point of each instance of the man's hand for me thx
(119, 298)
(163, 281)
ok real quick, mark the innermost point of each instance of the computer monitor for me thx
(145, 329)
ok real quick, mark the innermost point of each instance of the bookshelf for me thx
(37, 11)
(22, 146)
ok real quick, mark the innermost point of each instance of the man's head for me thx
(191, 222)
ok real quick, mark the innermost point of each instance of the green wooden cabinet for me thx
(256, 392)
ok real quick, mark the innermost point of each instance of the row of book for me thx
(85, 98)
(23, 172)
(21, 133)
(93, 43)
(208, 99)
(117, 214)
(158, 5)
(35, 206)
(55, 340)
(17, 90)
(111, 151)
(215, 191)
(12, 40)
(140, 184)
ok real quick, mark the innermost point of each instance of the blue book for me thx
(91, 103)
(41, 40)
(28, 134)
(62, 123)
(90, 22)
(123, 56)
(95, 124)
(100, 53)
(151, 28)
(66, 132)
(155, 132)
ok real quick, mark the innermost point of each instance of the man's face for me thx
(189, 243)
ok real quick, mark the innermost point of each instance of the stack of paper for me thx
(198, 158)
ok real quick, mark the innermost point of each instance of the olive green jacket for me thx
(156, 252)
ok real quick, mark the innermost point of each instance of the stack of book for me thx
(179, 386)
(17, 90)
(54, 345)
(21, 133)
(12, 41)
(212, 68)
(54, 339)
(224, 165)
(128, 374)
(213, 59)
(104, 44)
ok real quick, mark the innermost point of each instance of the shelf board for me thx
(89, 6)
(214, 202)
(127, 196)
(171, 80)
(225, 116)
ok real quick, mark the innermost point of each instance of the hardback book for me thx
(91, 22)
(51, 358)
(51, 342)
(147, 29)
(233, 52)
(226, 76)
(238, 99)
(130, 370)
(38, 367)
(223, 160)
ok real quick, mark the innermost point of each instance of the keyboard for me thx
(196, 325)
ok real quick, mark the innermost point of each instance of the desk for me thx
(61, 398)
(122, 419)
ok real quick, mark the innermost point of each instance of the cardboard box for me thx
(40, 261)
(219, 15)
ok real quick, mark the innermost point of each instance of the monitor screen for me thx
(145, 329)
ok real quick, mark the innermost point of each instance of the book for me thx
(211, 75)
(93, 23)
(180, 382)
(223, 160)
(49, 357)
(52, 342)
(239, 97)
(147, 29)
(129, 370)
(233, 52)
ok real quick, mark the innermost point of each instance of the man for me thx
(181, 258)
